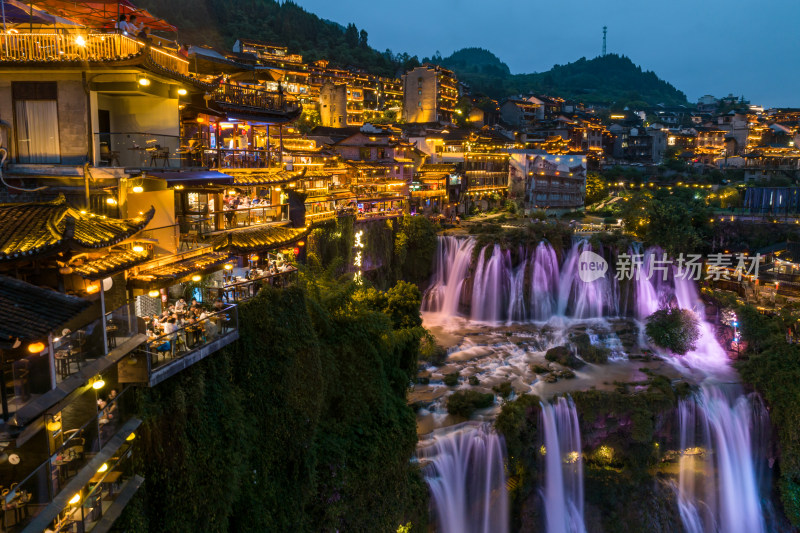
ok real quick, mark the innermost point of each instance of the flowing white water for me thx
(718, 486)
(721, 468)
(563, 486)
(465, 472)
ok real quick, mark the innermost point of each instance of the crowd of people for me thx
(171, 323)
(131, 26)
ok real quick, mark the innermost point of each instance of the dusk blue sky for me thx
(749, 47)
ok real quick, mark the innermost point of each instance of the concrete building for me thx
(333, 104)
(429, 94)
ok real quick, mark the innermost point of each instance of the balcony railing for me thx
(141, 150)
(80, 443)
(165, 348)
(259, 99)
(52, 46)
(208, 222)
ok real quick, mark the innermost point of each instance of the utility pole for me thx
(605, 30)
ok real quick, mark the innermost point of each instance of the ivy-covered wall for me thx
(301, 425)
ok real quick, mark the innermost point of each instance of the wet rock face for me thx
(563, 355)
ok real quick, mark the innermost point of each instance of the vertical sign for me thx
(357, 260)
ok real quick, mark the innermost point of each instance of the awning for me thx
(101, 13)
(192, 177)
(265, 178)
(373, 199)
(172, 273)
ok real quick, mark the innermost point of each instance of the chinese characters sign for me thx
(358, 257)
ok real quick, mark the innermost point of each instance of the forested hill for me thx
(608, 79)
(219, 23)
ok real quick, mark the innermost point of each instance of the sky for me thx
(717, 47)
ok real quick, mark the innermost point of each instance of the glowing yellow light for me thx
(99, 384)
(131, 437)
(75, 499)
(144, 82)
(93, 288)
(103, 468)
(196, 278)
(80, 41)
(231, 192)
(138, 189)
(228, 266)
(111, 201)
(254, 258)
(36, 347)
(138, 248)
(182, 91)
(153, 294)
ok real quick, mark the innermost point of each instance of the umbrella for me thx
(16, 12)
(101, 13)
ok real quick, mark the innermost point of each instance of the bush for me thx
(504, 389)
(589, 352)
(474, 381)
(674, 329)
(432, 352)
(451, 380)
(465, 402)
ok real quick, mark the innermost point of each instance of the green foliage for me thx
(451, 380)
(414, 248)
(677, 223)
(465, 402)
(596, 188)
(587, 351)
(772, 366)
(503, 390)
(674, 329)
(300, 425)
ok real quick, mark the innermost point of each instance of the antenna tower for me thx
(605, 30)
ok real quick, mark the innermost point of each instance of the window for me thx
(36, 117)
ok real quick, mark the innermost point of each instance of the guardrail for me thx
(55, 46)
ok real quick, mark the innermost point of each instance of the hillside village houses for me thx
(139, 174)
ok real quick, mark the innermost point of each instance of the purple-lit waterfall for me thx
(563, 486)
(465, 472)
(453, 257)
(718, 487)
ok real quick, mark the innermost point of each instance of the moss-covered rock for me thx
(563, 355)
(465, 402)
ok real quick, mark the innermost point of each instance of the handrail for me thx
(253, 97)
(81, 45)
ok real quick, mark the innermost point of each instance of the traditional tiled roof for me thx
(176, 272)
(29, 312)
(265, 177)
(259, 238)
(437, 167)
(110, 264)
(29, 230)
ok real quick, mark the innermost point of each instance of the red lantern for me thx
(296, 250)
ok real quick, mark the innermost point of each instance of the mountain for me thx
(606, 79)
(609, 79)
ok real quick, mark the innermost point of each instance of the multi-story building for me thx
(430, 94)
(552, 182)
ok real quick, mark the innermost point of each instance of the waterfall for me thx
(721, 436)
(563, 485)
(544, 282)
(581, 299)
(517, 305)
(465, 472)
(453, 257)
(491, 286)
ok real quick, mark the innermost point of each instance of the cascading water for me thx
(465, 473)
(491, 286)
(718, 487)
(580, 299)
(563, 486)
(544, 282)
(453, 257)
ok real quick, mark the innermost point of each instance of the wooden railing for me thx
(82, 46)
(252, 97)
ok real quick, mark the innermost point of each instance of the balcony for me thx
(91, 47)
(167, 354)
(87, 471)
(251, 103)
(198, 225)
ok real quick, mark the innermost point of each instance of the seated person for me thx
(218, 305)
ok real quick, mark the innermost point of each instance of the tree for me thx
(362, 40)
(596, 188)
(351, 35)
(674, 329)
